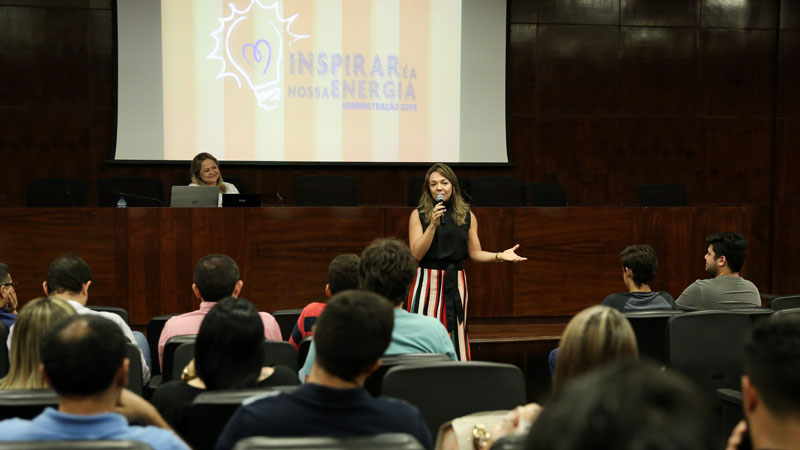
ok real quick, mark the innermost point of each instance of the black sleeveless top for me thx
(449, 245)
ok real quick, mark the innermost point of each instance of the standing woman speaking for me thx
(442, 232)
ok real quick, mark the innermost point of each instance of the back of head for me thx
(82, 355)
(353, 332)
(68, 273)
(229, 351)
(343, 273)
(34, 320)
(731, 245)
(387, 267)
(4, 273)
(593, 338)
(641, 259)
(216, 277)
(772, 362)
(627, 405)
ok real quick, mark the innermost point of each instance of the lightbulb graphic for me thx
(251, 42)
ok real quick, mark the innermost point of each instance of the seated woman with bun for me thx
(205, 172)
(36, 317)
(228, 354)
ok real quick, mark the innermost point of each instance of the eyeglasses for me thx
(11, 283)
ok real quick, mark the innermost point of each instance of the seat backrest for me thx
(109, 189)
(785, 302)
(280, 352)
(75, 445)
(650, 328)
(445, 390)
(661, 195)
(783, 312)
(4, 360)
(210, 411)
(755, 313)
(325, 190)
(547, 194)
(497, 191)
(57, 192)
(385, 441)
(183, 354)
(302, 351)
(135, 380)
(287, 318)
(375, 380)
(154, 328)
(26, 403)
(169, 354)
(112, 309)
(707, 347)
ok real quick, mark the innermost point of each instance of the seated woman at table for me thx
(205, 172)
(229, 354)
(36, 317)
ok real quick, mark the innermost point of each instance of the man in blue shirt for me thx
(84, 361)
(351, 335)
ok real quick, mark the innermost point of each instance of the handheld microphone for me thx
(440, 199)
(142, 197)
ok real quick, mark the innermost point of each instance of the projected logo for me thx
(250, 45)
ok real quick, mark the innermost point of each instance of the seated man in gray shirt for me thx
(639, 266)
(725, 289)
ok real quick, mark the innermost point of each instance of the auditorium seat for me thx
(112, 309)
(302, 351)
(135, 380)
(375, 380)
(75, 445)
(547, 194)
(755, 313)
(783, 312)
(650, 328)
(445, 390)
(661, 195)
(275, 352)
(785, 302)
(210, 411)
(4, 361)
(169, 353)
(26, 403)
(325, 190)
(57, 192)
(384, 441)
(497, 191)
(154, 328)
(109, 189)
(287, 318)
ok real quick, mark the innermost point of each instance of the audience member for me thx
(8, 296)
(387, 267)
(626, 405)
(596, 336)
(342, 275)
(84, 361)
(726, 289)
(229, 354)
(771, 385)
(215, 277)
(36, 317)
(351, 335)
(68, 279)
(639, 266)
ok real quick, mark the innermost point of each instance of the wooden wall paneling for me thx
(491, 286)
(786, 250)
(577, 70)
(657, 13)
(523, 11)
(521, 74)
(66, 56)
(102, 59)
(595, 12)
(658, 71)
(790, 14)
(788, 68)
(739, 14)
(572, 258)
(737, 72)
(657, 149)
(787, 160)
(31, 238)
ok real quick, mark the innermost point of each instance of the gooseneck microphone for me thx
(440, 199)
(142, 197)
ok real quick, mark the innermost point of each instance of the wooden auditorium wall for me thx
(602, 96)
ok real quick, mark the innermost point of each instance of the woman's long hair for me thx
(197, 164)
(34, 320)
(229, 351)
(458, 207)
(593, 338)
